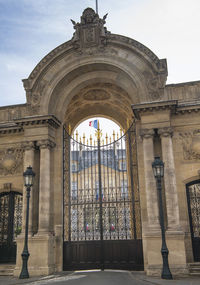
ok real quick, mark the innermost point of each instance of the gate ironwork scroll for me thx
(193, 198)
(10, 224)
(102, 226)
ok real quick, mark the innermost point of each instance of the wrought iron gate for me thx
(10, 224)
(102, 227)
(193, 197)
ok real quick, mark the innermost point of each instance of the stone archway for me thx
(101, 74)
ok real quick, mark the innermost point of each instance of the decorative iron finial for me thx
(83, 138)
(87, 141)
(113, 135)
(98, 131)
(106, 138)
(70, 129)
(76, 135)
(90, 139)
(127, 123)
(120, 132)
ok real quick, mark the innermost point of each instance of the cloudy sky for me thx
(29, 29)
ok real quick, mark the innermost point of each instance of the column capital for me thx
(42, 144)
(28, 145)
(146, 133)
(165, 132)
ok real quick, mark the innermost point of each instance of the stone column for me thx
(44, 185)
(29, 149)
(170, 179)
(150, 183)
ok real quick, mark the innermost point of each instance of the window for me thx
(124, 189)
(74, 167)
(122, 165)
(74, 189)
(97, 191)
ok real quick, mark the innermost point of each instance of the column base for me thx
(176, 270)
(177, 253)
(42, 255)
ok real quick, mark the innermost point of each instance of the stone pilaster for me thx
(44, 185)
(150, 183)
(29, 155)
(170, 179)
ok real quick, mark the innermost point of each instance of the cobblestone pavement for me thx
(107, 277)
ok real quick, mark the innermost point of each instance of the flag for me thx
(94, 124)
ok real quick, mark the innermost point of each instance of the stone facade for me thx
(99, 73)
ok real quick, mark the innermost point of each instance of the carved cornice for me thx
(154, 106)
(43, 144)
(10, 128)
(146, 133)
(188, 107)
(165, 132)
(160, 63)
(50, 120)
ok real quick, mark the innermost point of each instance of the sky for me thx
(30, 29)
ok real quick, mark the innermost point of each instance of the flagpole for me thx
(97, 6)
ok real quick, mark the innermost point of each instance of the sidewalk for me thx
(68, 275)
(191, 280)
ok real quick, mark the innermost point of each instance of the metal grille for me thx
(17, 222)
(4, 215)
(10, 216)
(193, 195)
(99, 192)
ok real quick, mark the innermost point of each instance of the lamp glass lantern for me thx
(28, 177)
(158, 167)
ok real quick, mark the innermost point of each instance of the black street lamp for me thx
(28, 182)
(158, 170)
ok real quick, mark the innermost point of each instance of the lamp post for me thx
(28, 182)
(158, 170)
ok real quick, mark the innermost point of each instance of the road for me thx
(107, 277)
(94, 278)
(111, 277)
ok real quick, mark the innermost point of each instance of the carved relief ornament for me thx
(29, 145)
(43, 144)
(90, 32)
(191, 144)
(11, 161)
(165, 132)
(155, 85)
(146, 133)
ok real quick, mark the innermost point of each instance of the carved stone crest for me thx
(11, 161)
(90, 32)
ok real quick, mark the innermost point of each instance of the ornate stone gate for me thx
(98, 73)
